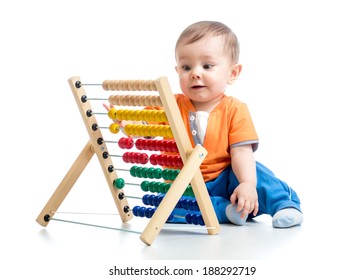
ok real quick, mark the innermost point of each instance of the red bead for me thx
(126, 157)
(175, 148)
(160, 159)
(148, 145)
(159, 145)
(153, 159)
(170, 160)
(142, 158)
(165, 160)
(121, 143)
(128, 143)
(153, 145)
(135, 158)
(138, 144)
(179, 162)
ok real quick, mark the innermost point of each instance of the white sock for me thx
(233, 216)
(287, 217)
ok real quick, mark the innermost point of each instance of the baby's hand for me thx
(246, 198)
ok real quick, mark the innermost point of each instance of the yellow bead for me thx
(124, 115)
(119, 114)
(148, 130)
(114, 128)
(112, 113)
(158, 130)
(163, 117)
(153, 116)
(169, 132)
(127, 129)
(131, 115)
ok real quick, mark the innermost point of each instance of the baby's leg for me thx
(277, 199)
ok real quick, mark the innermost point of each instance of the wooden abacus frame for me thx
(191, 157)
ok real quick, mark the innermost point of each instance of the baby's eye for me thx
(186, 67)
(208, 66)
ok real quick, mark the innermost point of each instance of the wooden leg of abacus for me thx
(66, 185)
(171, 198)
(184, 147)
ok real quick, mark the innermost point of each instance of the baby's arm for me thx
(245, 194)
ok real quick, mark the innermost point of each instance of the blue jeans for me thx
(273, 194)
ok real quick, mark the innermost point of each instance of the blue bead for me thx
(200, 220)
(184, 203)
(151, 199)
(141, 211)
(148, 213)
(194, 219)
(188, 218)
(135, 211)
(195, 205)
(152, 211)
(190, 204)
(145, 199)
(160, 198)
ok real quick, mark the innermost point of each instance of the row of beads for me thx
(137, 115)
(148, 130)
(149, 144)
(133, 157)
(129, 85)
(166, 160)
(154, 159)
(153, 186)
(161, 187)
(126, 143)
(135, 100)
(148, 212)
(154, 173)
(183, 203)
(156, 145)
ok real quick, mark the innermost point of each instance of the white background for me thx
(302, 79)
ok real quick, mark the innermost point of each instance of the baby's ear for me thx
(235, 72)
(176, 68)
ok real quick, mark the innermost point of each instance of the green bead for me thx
(132, 170)
(144, 172)
(153, 186)
(119, 183)
(175, 173)
(145, 186)
(157, 173)
(138, 172)
(162, 188)
(150, 173)
(168, 186)
(164, 174)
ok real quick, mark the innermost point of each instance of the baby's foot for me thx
(287, 217)
(233, 216)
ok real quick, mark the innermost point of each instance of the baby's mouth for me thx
(197, 87)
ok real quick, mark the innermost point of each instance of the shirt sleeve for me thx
(242, 130)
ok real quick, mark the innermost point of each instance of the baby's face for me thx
(204, 68)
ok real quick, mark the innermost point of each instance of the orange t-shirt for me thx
(229, 125)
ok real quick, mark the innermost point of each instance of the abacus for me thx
(183, 185)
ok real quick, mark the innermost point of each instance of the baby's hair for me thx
(202, 29)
